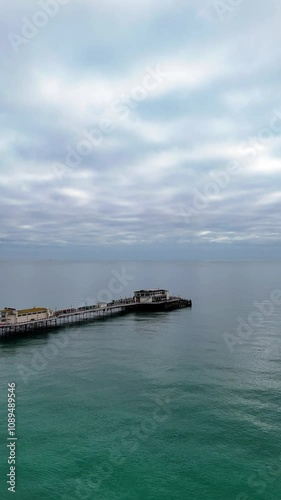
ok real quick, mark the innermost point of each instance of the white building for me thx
(151, 295)
(10, 316)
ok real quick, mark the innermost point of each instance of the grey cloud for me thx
(136, 188)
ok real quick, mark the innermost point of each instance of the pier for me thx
(143, 301)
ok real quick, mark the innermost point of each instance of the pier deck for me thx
(64, 317)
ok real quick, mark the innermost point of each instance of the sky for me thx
(147, 130)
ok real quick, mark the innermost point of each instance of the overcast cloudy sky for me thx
(140, 130)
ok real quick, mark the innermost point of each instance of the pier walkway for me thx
(64, 317)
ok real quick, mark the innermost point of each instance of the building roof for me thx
(24, 311)
(150, 290)
(33, 310)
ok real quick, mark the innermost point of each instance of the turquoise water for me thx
(152, 406)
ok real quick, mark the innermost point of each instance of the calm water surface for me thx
(154, 406)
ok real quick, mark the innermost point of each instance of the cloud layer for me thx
(121, 121)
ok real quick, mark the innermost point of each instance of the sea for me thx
(179, 405)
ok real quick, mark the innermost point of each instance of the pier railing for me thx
(63, 317)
